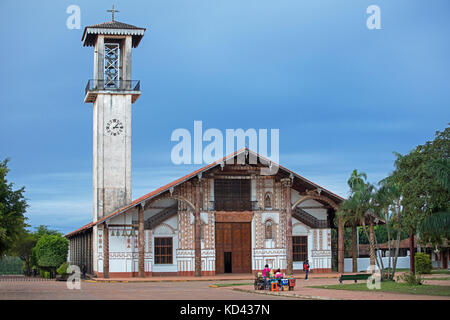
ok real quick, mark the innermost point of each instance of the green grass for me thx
(232, 284)
(395, 287)
(434, 271)
(401, 270)
(440, 271)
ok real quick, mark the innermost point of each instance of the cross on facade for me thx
(112, 11)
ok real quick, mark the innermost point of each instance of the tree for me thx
(37, 234)
(12, 209)
(45, 231)
(422, 176)
(350, 215)
(440, 169)
(381, 232)
(386, 204)
(356, 210)
(349, 218)
(51, 251)
(392, 211)
(435, 229)
(23, 248)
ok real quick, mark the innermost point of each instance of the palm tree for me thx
(354, 211)
(366, 212)
(347, 213)
(390, 209)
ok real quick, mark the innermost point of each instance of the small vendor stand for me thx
(260, 282)
(273, 283)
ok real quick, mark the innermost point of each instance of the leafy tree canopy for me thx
(381, 234)
(12, 209)
(44, 231)
(422, 176)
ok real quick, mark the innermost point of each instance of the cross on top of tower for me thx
(112, 11)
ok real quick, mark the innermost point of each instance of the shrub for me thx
(51, 251)
(62, 270)
(410, 279)
(47, 274)
(11, 265)
(422, 263)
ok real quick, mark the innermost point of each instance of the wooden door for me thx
(234, 237)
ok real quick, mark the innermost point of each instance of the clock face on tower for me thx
(114, 127)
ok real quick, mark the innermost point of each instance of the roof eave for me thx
(175, 183)
(90, 32)
(193, 174)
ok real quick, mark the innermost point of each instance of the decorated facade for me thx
(228, 217)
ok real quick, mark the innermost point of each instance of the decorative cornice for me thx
(286, 182)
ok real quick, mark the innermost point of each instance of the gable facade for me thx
(241, 230)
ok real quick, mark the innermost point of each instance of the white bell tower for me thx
(112, 92)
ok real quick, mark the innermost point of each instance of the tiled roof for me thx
(112, 28)
(189, 176)
(115, 25)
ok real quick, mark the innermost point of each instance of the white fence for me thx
(364, 263)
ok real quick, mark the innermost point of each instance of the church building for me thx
(227, 217)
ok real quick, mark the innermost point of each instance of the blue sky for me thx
(342, 96)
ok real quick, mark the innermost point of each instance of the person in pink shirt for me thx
(266, 271)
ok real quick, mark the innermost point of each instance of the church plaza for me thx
(189, 288)
(234, 215)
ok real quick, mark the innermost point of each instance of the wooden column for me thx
(354, 249)
(445, 261)
(78, 250)
(411, 253)
(197, 226)
(82, 251)
(372, 245)
(287, 183)
(141, 241)
(90, 255)
(105, 251)
(341, 231)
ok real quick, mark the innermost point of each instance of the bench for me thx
(356, 277)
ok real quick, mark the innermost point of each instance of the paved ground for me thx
(220, 277)
(55, 290)
(437, 282)
(302, 291)
(190, 288)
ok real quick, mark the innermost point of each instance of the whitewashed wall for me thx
(168, 228)
(300, 229)
(363, 263)
(274, 257)
(319, 245)
(123, 250)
